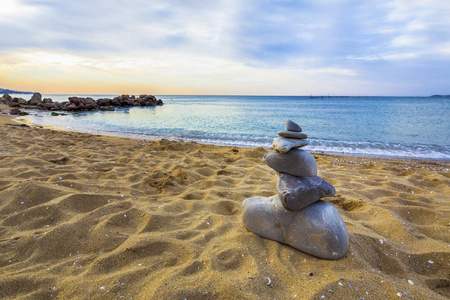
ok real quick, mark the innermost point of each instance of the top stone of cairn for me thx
(292, 126)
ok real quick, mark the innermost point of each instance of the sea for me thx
(391, 127)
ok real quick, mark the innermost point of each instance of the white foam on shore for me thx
(379, 150)
(360, 148)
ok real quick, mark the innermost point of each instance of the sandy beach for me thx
(94, 217)
(5, 118)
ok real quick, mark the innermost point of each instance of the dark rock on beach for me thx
(21, 101)
(17, 112)
(104, 102)
(36, 99)
(76, 104)
(55, 114)
(6, 98)
(14, 104)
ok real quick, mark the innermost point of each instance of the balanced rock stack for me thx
(296, 216)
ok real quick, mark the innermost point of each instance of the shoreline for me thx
(94, 216)
(445, 162)
(5, 118)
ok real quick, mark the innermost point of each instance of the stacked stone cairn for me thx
(296, 216)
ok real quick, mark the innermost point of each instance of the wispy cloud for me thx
(219, 45)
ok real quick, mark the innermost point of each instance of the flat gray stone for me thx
(292, 126)
(296, 162)
(318, 229)
(298, 192)
(293, 134)
(283, 145)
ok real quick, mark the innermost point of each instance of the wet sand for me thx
(96, 217)
(5, 118)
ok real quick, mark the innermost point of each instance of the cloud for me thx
(421, 27)
(119, 26)
(265, 33)
(268, 44)
(11, 9)
(386, 57)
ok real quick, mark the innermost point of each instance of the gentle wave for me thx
(369, 126)
(433, 152)
(372, 149)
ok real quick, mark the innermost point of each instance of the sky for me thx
(226, 47)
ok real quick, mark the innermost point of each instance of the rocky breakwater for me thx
(297, 216)
(76, 104)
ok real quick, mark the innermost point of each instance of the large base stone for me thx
(298, 192)
(317, 229)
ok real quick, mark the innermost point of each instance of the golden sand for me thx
(96, 217)
(4, 115)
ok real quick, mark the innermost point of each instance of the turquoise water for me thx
(380, 126)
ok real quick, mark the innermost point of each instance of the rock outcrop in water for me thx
(79, 103)
(297, 216)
